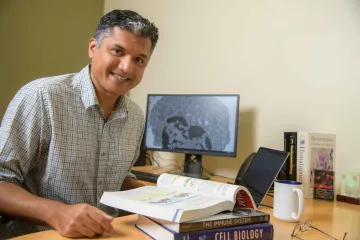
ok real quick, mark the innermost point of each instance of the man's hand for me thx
(130, 183)
(81, 220)
(77, 220)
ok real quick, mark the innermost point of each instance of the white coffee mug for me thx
(288, 200)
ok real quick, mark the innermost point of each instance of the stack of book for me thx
(240, 224)
(188, 208)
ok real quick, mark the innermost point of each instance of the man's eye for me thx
(139, 60)
(117, 51)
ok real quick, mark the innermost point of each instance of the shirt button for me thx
(103, 154)
(100, 182)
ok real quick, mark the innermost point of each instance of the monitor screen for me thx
(192, 124)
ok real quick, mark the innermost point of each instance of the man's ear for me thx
(92, 46)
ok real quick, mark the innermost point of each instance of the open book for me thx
(179, 199)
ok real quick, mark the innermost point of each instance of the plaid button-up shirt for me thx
(55, 143)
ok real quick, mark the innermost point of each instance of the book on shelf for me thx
(260, 231)
(179, 199)
(307, 151)
(237, 217)
(288, 171)
(314, 151)
(292, 149)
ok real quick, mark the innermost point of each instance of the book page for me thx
(168, 204)
(168, 197)
(195, 185)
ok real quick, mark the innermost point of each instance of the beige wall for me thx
(294, 63)
(43, 38)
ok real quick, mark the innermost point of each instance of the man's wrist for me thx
(51, 210)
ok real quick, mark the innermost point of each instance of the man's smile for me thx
(120, 77)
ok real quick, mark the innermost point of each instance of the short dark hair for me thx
(126, 20)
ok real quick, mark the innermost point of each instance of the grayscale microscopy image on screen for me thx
(192, 122)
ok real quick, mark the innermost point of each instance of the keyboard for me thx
(146, 176)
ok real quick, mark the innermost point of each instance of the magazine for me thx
(178, 198)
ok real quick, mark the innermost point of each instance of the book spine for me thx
(196, 226)
(292, 145)
(302, 170)
(284, 172)
(287, 162)
(263, 231)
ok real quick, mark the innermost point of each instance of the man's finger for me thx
(85, 231)
(74, 234)
(102, 218)
(93, 225)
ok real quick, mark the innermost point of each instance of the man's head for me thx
(120, 51)
(129, 21)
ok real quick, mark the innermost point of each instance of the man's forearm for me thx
(17, 203)
(130, 183)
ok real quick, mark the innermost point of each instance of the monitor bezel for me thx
(190, 151)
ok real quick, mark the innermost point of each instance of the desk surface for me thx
(335, 218)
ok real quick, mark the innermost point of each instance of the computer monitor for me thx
(193, 124)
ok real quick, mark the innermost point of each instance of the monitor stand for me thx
(193, 167)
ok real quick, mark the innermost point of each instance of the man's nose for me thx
(126, 65)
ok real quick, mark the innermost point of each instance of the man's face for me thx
(119, 63)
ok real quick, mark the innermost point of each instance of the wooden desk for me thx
(335, 218)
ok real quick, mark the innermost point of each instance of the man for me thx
(64, 140)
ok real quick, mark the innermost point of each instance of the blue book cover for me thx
(261, 231)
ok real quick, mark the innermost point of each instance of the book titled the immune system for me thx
(260, 231)
(237, 217)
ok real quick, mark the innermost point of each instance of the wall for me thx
(43, 38)
(294, 63)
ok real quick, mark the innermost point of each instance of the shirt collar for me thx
(88, 94)
(121, 107)
(86, 88)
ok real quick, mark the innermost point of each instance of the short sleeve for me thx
(20, 134)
